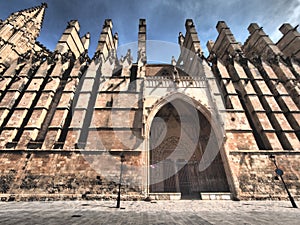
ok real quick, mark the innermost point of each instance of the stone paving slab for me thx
(160, 212)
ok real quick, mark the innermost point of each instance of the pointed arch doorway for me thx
(178, 138)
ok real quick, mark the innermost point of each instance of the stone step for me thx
(216, 196)
(165, 196)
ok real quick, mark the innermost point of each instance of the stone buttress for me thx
(65, 118)
(260, 85)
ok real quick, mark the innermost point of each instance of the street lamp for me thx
(279, 172)
(122, 159)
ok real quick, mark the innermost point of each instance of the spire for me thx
(20, 18)
(191, 36)
(30, 20)
(107, 40)
(86, 40)
(34, 23)
(20, 31)
(142, 38)
(38, 18)
(71, 41)
(226, 45)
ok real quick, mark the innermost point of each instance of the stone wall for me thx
(260, 84)
(67, 175)
(255, 173)
(65, 118)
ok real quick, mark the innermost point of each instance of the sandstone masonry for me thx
(65, 118)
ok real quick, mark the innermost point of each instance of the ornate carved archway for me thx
(177, 147)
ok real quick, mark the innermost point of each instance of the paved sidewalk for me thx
(160, 212)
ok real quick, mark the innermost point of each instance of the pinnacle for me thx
(44, 4)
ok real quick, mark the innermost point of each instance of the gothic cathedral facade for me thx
(201, 127)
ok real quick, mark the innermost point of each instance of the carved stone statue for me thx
(180, 39)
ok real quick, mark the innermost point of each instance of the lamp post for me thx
(279, 172)
(122, 159)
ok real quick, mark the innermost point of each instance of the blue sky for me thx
(165, 18)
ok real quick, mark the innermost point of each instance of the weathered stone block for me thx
(52, 84)
(264, 121)
(284, 124)
(272, 103)
(45, 100)
(275, 143)
(7, 136)
(293, 140)
(234, 99)
(116, 118)
(71, 85)
(236, 121)
(83, 100)
(114, 139)
(37, 118)
(51, 139)
(240, 141)
(26, 100)
(35, 84)
(4, 83)
(59, 118)
(263, 87)
(65, 101)
(255, 102)
(249, 87)
(17, 118)
(77, 118)
(3, 114)
(114, 84)
(71, 139)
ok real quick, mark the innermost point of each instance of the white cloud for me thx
(165, 18)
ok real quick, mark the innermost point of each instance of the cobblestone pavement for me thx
(160, 212)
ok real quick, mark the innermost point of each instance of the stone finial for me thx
(116, 39)
(173, 61)
(189, 23)
(142, 25)
(192, 36)
(180, 39)
(74, 23)
(108, 23)
(86, 40)
(142, 22)
(116, 36)
(142, 38)
(44, 4)
(285, 28)
(210, 44)
(253, 27)
(221, 25)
